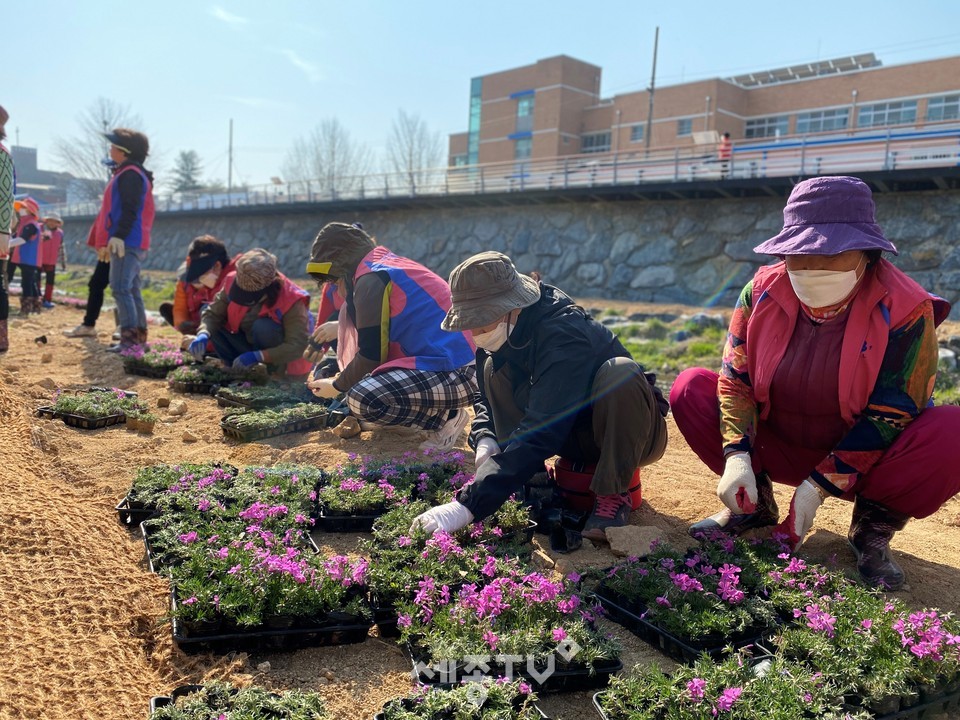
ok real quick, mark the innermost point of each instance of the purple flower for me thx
(190, 600)
(559, 634)
(524, 688)
(696, 689)
(727, 698)
(404, 620)
(188, 538)
(491, 639)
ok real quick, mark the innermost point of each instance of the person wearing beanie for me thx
(7, 225)
(26, 254)
(826, 382)
(553, 381)
(396, 366)
(206, 271)
(51, 252)
(259, 316)
(121, 231)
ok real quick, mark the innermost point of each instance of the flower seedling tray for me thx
(362, 523)
(411, 705)
(133, 512)
(195, 388)
(680, 649)
(81, 421)
(134, 367)
(566, 677)
(159, 701)
(315, 632)
(252, 434)
(385, 617)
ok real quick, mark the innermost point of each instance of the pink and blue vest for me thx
(418, 302)
(50, 248)
(886, 298)
(109, 216)
(29, 252)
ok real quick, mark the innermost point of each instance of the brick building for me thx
(553, 108)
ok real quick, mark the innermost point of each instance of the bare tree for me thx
(327, 160)
(414, 151)
(83, 155)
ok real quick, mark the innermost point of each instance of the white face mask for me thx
(209, 280)
(823, 288)
(492, 340)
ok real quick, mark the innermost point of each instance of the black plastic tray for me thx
(680, 649)
(132, 367)
(385, 617)
(382, 716)
(81, 422)
(948, 704)
(133, 513)
(244, 435)
(346, 523)
(265, 639)
(566, 679)
(195, 388)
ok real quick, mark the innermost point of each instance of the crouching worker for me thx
(207, 268)
(260, 316)
(826, 382)
(553, 381)
(397, 367)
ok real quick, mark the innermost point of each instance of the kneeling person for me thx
(553, 381)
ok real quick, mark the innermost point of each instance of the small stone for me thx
(189, 437)
(264, 667)
(47, 357)
(329, 675)
(348, 428)
(163, 402)
(541, 559)
(208, 438)
(177, 407)
(47, 383)
(632, 540)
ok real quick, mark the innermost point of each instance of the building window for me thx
(473, 133)
(522, 148)
(595, 142)
(946, 107)
(525, 113)
(767, 127)
(636, 133)
(460, 160)
(822, 121)
(684, 127)
(889, 113)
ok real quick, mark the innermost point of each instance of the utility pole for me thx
(230, 165)
(653, 80)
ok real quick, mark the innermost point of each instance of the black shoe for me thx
(872, 528)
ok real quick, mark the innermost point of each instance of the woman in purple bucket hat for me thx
(826, 385)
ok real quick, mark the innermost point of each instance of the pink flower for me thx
(524, 688)
(696, 689)
(559, 634)
(727, 698)
(490, 639)
(188, 538)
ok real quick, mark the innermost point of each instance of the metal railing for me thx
(883, 150)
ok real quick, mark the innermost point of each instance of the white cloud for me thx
(309, 69)
(220, 14)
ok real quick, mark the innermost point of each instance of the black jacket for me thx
(555, 351)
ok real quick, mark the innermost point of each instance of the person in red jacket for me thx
(51, 252)
(826, 385)
(207, 267)
(26, 254)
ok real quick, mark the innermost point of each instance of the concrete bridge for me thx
(687, 242)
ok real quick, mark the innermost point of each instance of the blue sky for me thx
(278, 68)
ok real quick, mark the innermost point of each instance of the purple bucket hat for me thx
(827, 216)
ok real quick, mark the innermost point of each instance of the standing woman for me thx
(123, 227)
(26, 254)
(51, 251)
(7, 219)
(826, 385)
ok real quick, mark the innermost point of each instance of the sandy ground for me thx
(82, 633)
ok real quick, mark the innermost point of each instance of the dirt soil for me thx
(82, 633)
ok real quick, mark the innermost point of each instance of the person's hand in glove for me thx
(450, 517)
(807, 499)
(117, 246)
(247, 359)
(198, 348)
(323, 388)
(486, 447)
(737, 488)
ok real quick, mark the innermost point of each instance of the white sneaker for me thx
(81, 331)
(447, 435)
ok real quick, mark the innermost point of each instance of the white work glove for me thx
(326, 332)
(807, 499)
(4, 243)
(323, 387)
(117, 247)
(450, 517)
(486, 447)
(737, 488)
